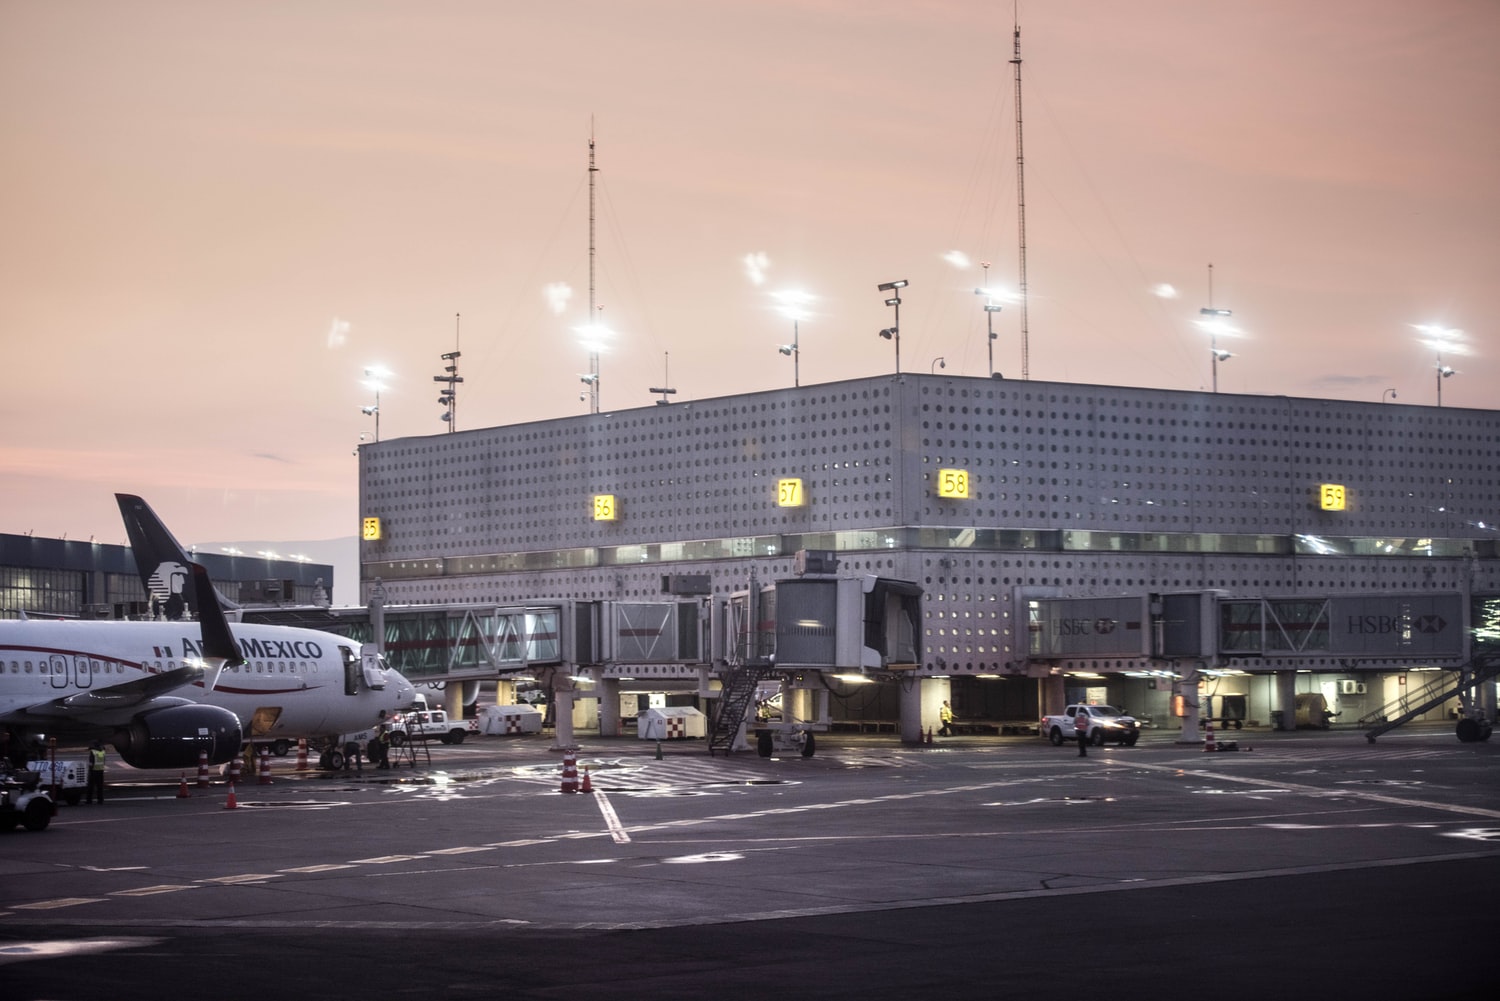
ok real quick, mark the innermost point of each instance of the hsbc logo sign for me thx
(1380, 625)
(1398, 625)
(1085, 627)
(1430, 624)
(1088, 627)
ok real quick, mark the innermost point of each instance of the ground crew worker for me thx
(1081, 729)
(380, 748)
(945, 716)
(96, 773)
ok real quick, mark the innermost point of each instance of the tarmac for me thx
(1306, 862)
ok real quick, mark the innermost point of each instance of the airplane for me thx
(345, 688)
(163, 691)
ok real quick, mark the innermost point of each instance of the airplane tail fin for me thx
(161, 561)
(219, 647)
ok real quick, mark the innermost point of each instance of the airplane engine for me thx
(173, 736)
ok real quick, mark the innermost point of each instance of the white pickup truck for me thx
(432, 724)
(1105, 723)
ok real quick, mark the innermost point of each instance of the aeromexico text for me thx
(252, 648)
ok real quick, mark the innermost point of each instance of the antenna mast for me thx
(449, 397)
(593, 310)
(1021, 207)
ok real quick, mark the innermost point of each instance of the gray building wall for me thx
(1075, 491)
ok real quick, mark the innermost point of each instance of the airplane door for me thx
(59, 672)
(83, 677)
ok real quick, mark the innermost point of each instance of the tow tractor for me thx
(23, 802)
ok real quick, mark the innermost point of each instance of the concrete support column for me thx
(562, 710)
(911, 710)
(1054, 695)
(1188, 689)
(1286, 698)
(453, 700)
(796, 704)
(609, 707)
(821, 704)
(505, 692)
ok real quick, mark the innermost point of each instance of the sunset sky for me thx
(216, 214)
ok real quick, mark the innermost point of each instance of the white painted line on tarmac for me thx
(151, 891)
(1343, 792)
(611, 819)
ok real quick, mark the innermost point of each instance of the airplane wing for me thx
(128, 696)
(114, 704)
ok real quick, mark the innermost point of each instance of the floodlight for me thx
(889, 286)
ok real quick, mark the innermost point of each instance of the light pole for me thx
(1442, 339)
(1213, 322)
(1389, 394)
(790, 305)
(893, 332)
(990, 309)
(937, 363)
(373, 380)
(596, 338)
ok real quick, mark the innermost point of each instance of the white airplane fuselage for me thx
(79, 678)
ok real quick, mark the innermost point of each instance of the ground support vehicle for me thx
(1105, 724)
(428, 724)
(24, 803)
(64, 779)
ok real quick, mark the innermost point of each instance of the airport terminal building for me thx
(1145, 547)
(78, 579)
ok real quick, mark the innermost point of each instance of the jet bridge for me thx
(1184, 634)
(865, 624)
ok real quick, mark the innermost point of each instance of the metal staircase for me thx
(1429, 696)
(737, 696)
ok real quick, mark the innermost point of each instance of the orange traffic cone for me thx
(588, 784)
(1208, 738)
(929, 735)
(231, 803)
(182, 792)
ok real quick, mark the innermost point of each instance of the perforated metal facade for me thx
(1073, 491)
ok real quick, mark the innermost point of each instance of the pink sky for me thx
(198, 195)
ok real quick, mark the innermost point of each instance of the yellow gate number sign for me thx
(604, 507)
(1332, 497)
(371, 530)
(953, 483)
(789, 492)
